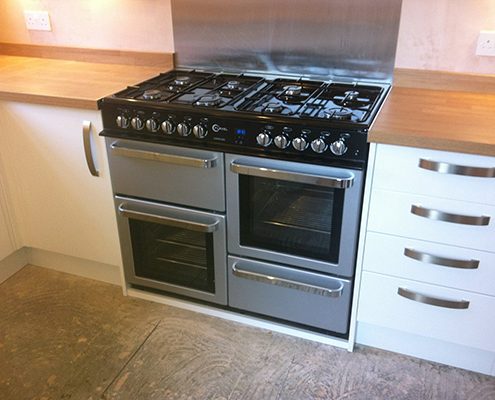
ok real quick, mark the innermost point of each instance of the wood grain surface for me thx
(104, 56)
(66, 83)
(66, 337)
(437, 119)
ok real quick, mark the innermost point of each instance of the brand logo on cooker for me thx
(217, 128)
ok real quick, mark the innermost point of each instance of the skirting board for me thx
(232, 316)
(426, 348)
(13, 263)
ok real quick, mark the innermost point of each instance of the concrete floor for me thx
(65, 337)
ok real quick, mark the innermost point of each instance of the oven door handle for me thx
(168, 220)
(287, 283)
(163, 157)
(339, 182)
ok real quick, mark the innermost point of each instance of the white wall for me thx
(434, 34)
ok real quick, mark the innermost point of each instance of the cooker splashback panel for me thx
(340, 39)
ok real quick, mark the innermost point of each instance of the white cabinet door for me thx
(58, 205)
(6, 241)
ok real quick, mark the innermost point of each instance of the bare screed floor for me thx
(66, 337)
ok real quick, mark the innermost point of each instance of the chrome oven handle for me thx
(438, 215)
(287, 283)
(434, 301)
(454, 169)
(162, 157)
(168, 220)
(87, 148)
(443, 261)
(273, 173)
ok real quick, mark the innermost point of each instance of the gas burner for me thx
(351, 95)
(292, 90)
(274, 108)
(340, 114)
(182, 80)
(209, 100)
(233, 85)
(152, 94)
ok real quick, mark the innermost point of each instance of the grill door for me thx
(173, 249)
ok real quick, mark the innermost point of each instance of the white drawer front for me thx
(390, 212)
(475, 270)
(397, 168)
(380, 304)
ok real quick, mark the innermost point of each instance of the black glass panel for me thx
(293, 218)
(173, 255)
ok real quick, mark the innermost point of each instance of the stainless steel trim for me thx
(320, 180)
(443, 261)
(287, 283)
(447, 168)
(166, 220)
(162, 157)
(86, 125)
(438, 215)
(434, 301)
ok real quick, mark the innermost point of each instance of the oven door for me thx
(292, 213)
(173, 249)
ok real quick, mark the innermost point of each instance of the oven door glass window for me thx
(173, 255)
(292, 218)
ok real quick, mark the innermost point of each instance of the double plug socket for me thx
(37, 20)
(486, 44)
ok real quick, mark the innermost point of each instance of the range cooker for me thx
(243, 190)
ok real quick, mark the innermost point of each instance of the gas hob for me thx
(323, 122)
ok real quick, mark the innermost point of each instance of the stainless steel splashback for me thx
(338, 39)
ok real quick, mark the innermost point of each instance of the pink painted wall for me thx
(434, 34)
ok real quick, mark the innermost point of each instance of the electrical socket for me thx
(486, 44)
(37, 20)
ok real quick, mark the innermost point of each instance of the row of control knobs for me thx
(301, 143)
(169, 127)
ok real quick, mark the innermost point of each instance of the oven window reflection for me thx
(293, 218)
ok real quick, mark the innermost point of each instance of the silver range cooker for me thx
(243, 191)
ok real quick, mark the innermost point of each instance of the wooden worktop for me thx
(452, 112)
(71, 83)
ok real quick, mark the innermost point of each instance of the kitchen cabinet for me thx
(58, 205)
(429, 255)
(6, 240)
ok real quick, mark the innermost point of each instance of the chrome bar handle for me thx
(167, 220)
(434, 301)
(454, 169)
(438, 215)
(162, 157)
(443, 261)
(87, 148)
(291, 176)
(287, 283)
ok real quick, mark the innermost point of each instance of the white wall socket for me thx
(486, 44)
(37, 20)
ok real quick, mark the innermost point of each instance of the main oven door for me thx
(292, 213)
(173, 249)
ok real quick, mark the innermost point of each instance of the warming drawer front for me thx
(187, 177)
(290, 294)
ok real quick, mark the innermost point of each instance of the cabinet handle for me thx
(287, 283)
(87, 148)
(434, 301)
(447, 168)
(448, 217)
(446, 262)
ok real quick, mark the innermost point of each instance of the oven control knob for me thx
(300, 143)
(183, 129)
(264, 139)
(200, 131)
(122, 121)
(152, 125)
(137, 123)
(318, 145)
(338, 147)
(168, 127)
(281, 141)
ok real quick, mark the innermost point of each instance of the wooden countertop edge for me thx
(71, 102)
(434, 143)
